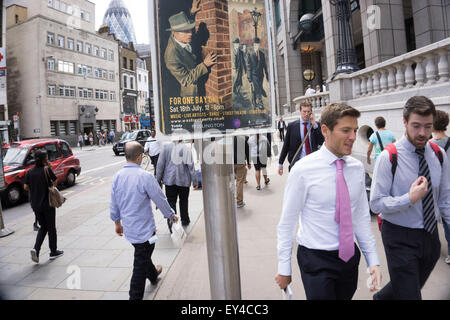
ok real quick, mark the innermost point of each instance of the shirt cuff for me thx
(372, 259)
(315, 126)
(284, 269)
(280, 165)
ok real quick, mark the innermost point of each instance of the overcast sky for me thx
(139, 14)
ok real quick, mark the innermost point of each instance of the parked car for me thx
(19, 159)
(137, 135)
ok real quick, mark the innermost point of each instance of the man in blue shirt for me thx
(379, 139)
(132, 190)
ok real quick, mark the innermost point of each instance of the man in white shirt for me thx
(309, 91)
(329, 221)
(153, 148)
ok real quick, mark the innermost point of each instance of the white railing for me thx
(419, 68)
(318, 100)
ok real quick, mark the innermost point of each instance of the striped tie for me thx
(429, 220)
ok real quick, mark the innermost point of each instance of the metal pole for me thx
(3, 231)
(220, 222)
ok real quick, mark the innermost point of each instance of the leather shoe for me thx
(158, 272)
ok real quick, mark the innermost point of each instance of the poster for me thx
(213, 65)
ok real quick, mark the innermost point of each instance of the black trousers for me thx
(325, 276)
(154, 161)
(143, 268)
(175, 192)
(411, 256)
(47, 221)
(281, 134)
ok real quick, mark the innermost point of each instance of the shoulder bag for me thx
(55, 198)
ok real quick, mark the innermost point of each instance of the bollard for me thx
(220, 221)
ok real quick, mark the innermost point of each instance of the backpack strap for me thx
(437, 150)
(393, 157)
(447, 145)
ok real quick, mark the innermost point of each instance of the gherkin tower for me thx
(118, 18)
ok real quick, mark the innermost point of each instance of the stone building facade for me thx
(64, 75)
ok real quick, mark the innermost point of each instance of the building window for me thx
(69, 9)
(64, 66)
(53, 128)
(89, 71)
(88, 48)
(70, 44)
(50, 3)
(140, 78)
(50, 38)
(63, 6)
(82, 14)
(80, 46)
(61, 41)
(51, 64)
(52, 90)
(104, 74)
(65, 91)
(112, 96)
(132, 83)
(73, 130)
(96, 73)
(125, 80)
(111, 75)
(57, 4)
(124, 63)
(96, 51)
(88, 17)
(103, 53)
(62, 128)
(131, 64)
(111, 55)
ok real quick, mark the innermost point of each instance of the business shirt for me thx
(131, 192)
(152, 146)
(310, 199)
(176, 166)
(392, 198)
(302, 135)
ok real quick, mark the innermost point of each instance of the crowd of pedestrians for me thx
(410, 193)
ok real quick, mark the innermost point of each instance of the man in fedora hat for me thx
(257, 67)
(179, 55)
(239, 66)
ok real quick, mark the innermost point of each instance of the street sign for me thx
(2, 173)
(3, 76)
(220, 78)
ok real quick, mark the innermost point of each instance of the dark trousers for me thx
(154, 161)
(325, 276)
(411, 256)
(47, 221)
(143, 268)
(281, 134)
(175, 192)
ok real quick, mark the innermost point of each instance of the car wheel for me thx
(13, 195)
(71, 178)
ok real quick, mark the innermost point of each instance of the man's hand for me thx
(119, 228)
(418, 189)
(173, 219)
(210, 59)
(283, 281)
(375, 272)
(280, 170)
(313, 119)
(195, 7)
(368, 161)
(249, 166)
(196, 187)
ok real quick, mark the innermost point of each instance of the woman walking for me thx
(259, 147)
(37, 181)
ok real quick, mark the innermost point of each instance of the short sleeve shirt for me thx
(387, 137)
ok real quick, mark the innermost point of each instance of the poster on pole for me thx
(213, 65)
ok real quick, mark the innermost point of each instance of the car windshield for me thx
(15, 156)
(129, 136)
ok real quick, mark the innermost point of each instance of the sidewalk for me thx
(86, 234)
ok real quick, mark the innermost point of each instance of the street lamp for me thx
(255, 16)
(346, 54)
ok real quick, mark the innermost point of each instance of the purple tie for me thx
(343, 215)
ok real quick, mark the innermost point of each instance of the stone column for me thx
(215, 15)
(429, 21)
(383, 30)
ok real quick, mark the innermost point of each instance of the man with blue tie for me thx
(325, 193)
(297, 131)
(408, 198)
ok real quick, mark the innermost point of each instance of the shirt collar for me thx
(329, 156)
(303, 121)
(407, 144)
(186, 46)
(131, 165)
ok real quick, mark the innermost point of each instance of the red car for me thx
(19, 159)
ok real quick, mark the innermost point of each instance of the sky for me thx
(139, 14)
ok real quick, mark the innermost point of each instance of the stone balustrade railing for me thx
(422, 67)
(318, 100)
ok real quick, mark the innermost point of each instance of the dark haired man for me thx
(297, 131)
(408, 202)
(330, 221)
(380, 139)
(132, 190)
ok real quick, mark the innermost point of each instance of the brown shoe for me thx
(159, 269)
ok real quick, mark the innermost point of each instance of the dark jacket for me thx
(38, 183)
(293, 140)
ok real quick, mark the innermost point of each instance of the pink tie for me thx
(343, 215)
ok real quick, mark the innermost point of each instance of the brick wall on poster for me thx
(214, 13)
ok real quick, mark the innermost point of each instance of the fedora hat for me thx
(180, 22)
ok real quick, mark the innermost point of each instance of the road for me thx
(98, 166)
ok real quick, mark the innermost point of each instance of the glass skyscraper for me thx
(118, 18)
